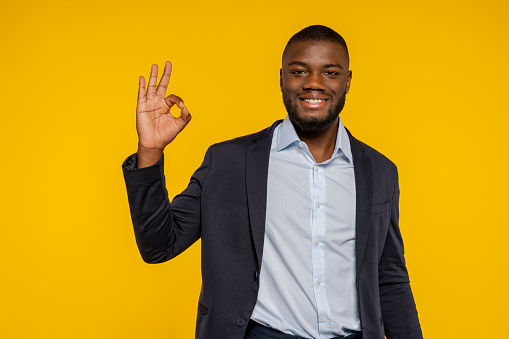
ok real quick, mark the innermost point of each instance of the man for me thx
(299, 222)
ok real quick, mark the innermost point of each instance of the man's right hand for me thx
(155, 125)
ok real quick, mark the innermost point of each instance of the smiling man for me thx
(330, 81)
(298, 223)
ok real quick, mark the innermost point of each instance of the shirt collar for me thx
(287, 136)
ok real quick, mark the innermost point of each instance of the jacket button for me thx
(241, 322)
(255, 275)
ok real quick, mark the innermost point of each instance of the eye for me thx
(332, 73)
(298, 72)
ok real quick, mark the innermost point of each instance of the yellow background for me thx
(428, 90)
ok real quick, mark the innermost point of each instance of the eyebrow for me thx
(333, 65)
(299, 63)
(303, 64)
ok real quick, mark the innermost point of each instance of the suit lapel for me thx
(257, 170)
(364, 198)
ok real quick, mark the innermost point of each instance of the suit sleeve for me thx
(163, 230)
(399, 312)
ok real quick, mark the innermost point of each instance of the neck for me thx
(321, 144)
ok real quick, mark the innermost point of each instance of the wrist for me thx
(148, 156)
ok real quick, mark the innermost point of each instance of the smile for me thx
(314, 101)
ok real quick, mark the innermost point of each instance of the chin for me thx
(312, 124)
(312, 121)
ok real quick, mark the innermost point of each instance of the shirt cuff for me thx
(130, 162)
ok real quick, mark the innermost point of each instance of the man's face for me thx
(314, 81)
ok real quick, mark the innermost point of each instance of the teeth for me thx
(313, 101)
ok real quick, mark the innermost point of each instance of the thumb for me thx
(185, 115)
(183, 119)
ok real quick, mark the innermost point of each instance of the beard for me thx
(313, 124)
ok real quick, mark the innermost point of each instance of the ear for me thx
(348, 81)
(281, 79)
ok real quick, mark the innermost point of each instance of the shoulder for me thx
(376, 155)
(379, 162)
(240, 143)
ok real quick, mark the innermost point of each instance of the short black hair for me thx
(317, 33)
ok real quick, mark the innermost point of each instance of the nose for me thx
(314, 82)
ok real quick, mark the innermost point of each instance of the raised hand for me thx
(155, 125)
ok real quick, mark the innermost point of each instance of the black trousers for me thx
(258, 331)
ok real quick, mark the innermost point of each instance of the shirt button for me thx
(316, 168)
(301, 144)
(319, 281)
(318, 204)
(324, 319)
(317, 241)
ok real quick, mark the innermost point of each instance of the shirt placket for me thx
(318, 248)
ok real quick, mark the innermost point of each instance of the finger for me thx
(185, 115)
(183, 119)
(141, 90)
(152, 82)
(165, 79)
(173, 99)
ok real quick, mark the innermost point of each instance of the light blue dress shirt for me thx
(307, 279)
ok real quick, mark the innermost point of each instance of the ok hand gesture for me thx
(155, 125)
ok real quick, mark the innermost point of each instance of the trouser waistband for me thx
(258, 331)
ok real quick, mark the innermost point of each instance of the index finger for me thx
(165, 80)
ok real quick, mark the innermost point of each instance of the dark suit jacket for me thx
(224, 205)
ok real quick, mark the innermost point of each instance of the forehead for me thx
(316, 52)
